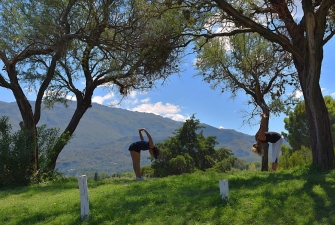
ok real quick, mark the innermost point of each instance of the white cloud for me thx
(132, 98)
(297, 94)
(166, 110)
(132, 94)
(134, 103)
(177, 117)
(101, 99)
(130, 101)
(146, 100)
(332, 94)
(71, 97)
(221, 128)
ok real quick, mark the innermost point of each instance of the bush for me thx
(16, 150)
(15, 153)
(147, 171)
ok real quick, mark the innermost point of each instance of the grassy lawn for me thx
(298, 196)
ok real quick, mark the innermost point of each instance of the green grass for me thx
(299, 196)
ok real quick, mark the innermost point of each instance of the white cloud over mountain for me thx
(136, 102)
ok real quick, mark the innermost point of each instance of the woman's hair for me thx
(257, 148)
(155, 150)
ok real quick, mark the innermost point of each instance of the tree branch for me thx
(280, 39)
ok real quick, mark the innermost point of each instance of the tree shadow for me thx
(192, 197)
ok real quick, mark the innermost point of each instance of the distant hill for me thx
(104, 133)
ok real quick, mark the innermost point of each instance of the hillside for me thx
(102, 137)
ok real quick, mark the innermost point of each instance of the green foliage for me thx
(128, 175)
(254, 166)
(284, 157)
(189, 151)
(117, 174)
(181, 164)
(147, 171)
(224, 165)
(290, 159)
(15, 152)
(49, 46)
(249, 63)
(240, 164)
(297, 126)
(47, 139)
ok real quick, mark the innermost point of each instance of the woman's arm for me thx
(141, 136)
(151, 142)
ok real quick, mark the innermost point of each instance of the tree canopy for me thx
(249, 63)
(51, 47)
(297, 125)
(189, 151)
(302, 37)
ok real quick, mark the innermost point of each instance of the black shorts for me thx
(138, 146)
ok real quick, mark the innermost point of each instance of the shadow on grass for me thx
(308, 182)
(53, 187)
(43, 218)
(258, 198)
(49, 187)
(187, 200)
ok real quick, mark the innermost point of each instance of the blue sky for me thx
(184, 95)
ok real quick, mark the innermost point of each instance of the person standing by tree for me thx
(268, 137)
(135, 151)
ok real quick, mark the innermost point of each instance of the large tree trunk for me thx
(318, 121)
(320, 132)
(265, 109)
(82, 106)
(27, 116)
(265, 158)
(316, 110)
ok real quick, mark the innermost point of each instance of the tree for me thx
(15, 151)
(24, 36)
(128, 53)
(189, 150)
(49, 46)
(303, 39)
(290, 159)
(240, 164)
(297, 126)
(248, 63)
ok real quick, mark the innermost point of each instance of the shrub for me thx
(15, 152)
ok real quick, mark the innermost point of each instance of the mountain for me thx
(101, 140)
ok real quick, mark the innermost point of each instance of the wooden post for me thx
(82, 181)
(224, 189)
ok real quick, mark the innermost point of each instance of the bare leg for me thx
(136, 157)
(274, 166)
(276, 147)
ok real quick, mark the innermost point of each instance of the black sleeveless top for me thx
(271, 137)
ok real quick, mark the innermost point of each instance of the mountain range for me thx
(101, 140)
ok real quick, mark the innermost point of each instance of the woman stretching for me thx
(268, 137)
(136, 148)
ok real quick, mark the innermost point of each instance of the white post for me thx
(82, 181)
(224, 189)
